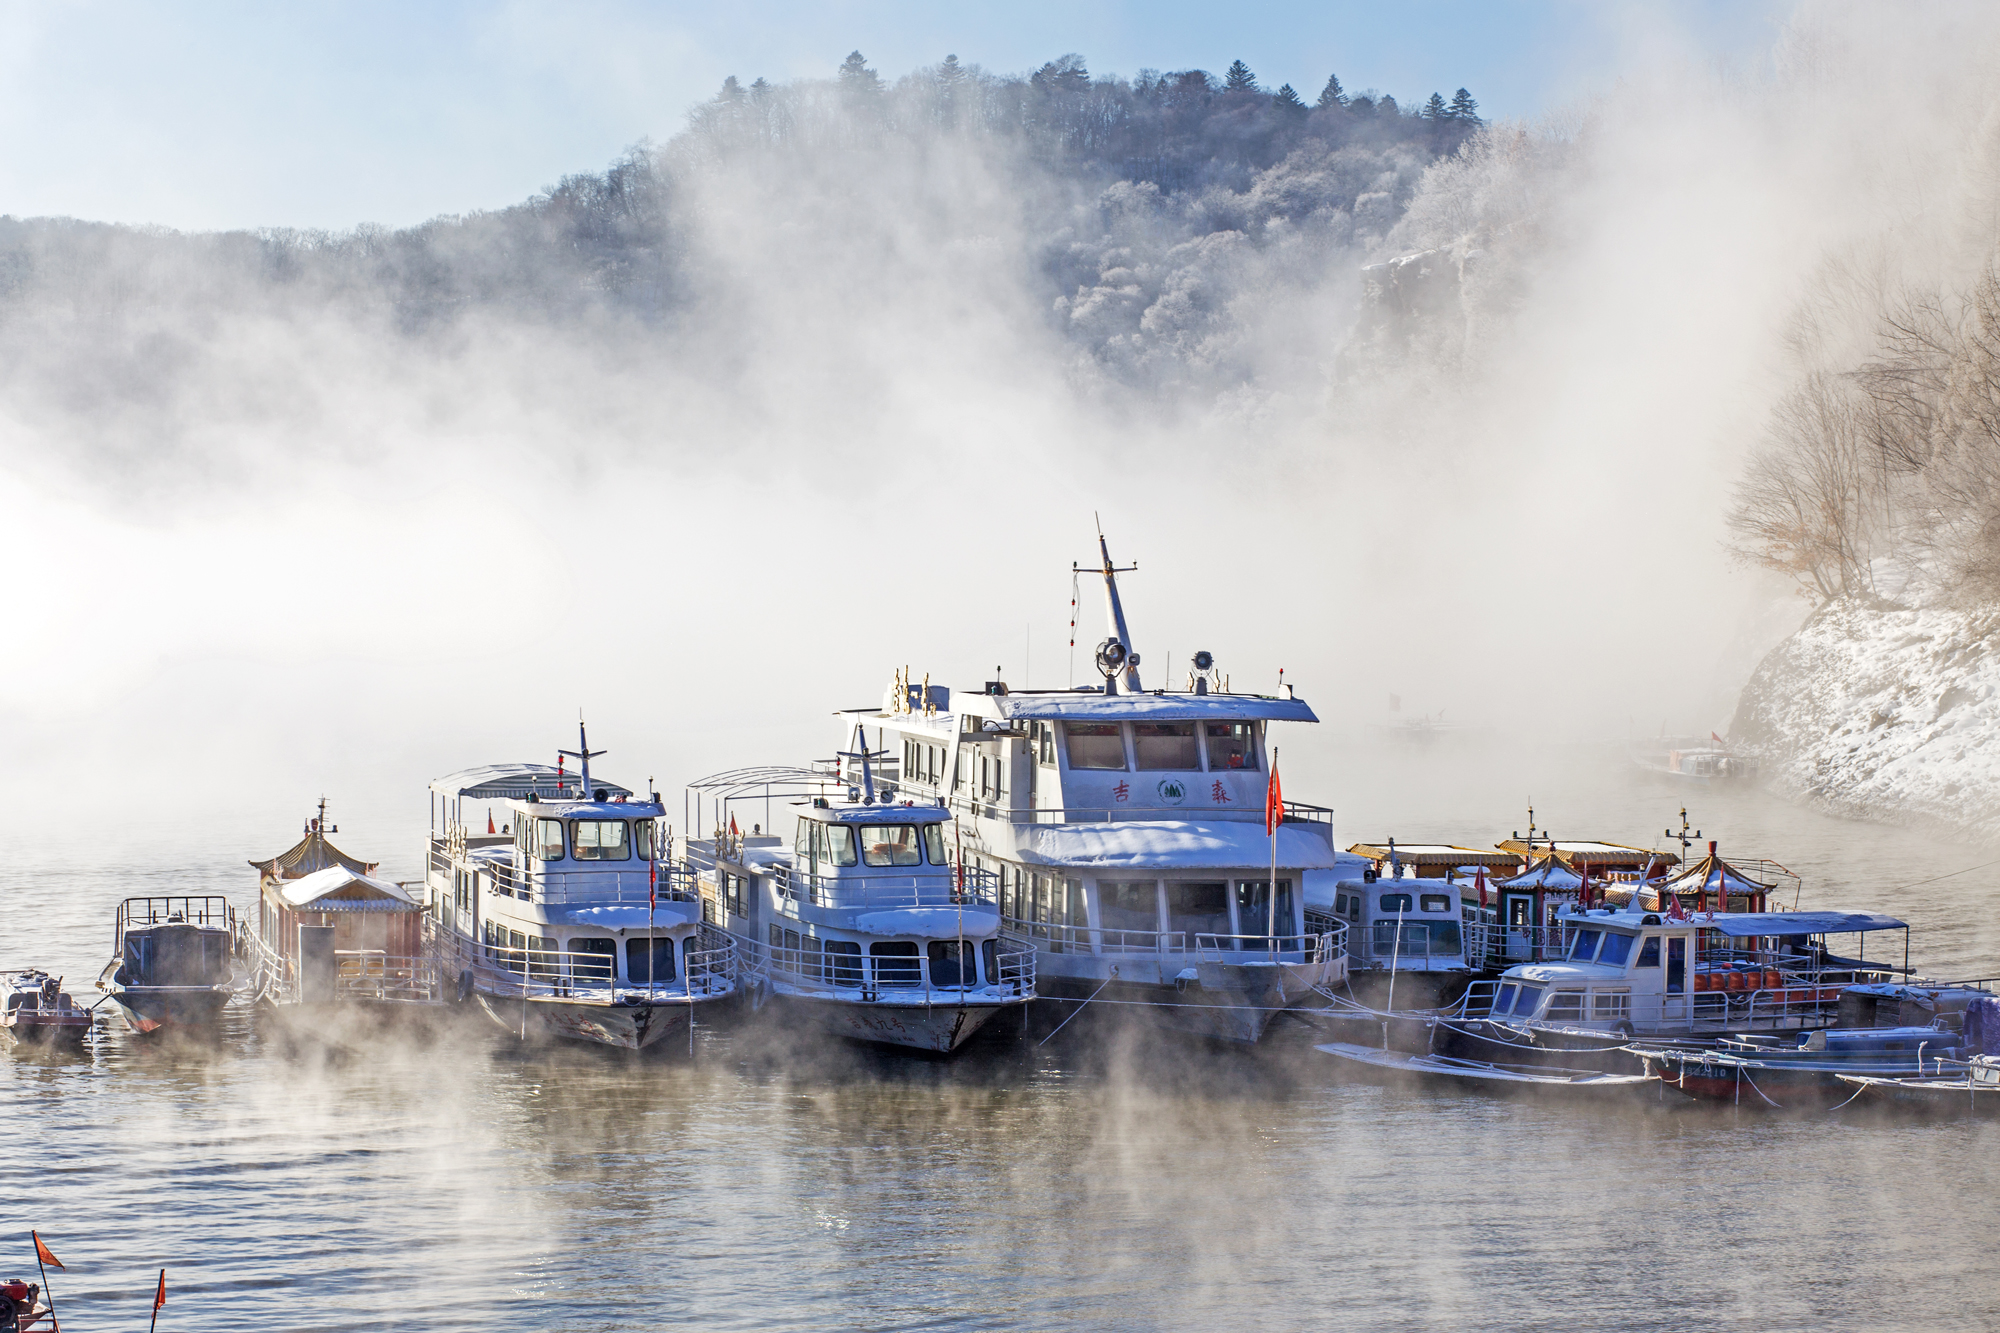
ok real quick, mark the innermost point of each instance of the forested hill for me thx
(1143, 219)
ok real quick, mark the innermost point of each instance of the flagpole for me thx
(55, 1324)
(1273, 818)
(159, 1299)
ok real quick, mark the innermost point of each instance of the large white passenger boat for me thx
(865, 925)
(561, 919)
(1126, 833)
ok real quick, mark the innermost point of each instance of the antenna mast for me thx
(1115, 653)
(583, 754)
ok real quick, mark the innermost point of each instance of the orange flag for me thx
(1274, 804)
(160, 1296)
(489, 821)
(42, 1252)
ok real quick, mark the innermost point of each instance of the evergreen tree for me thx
(1239, 79)
(1332, 96)
(1287, 100)
(855, 76)
(1064, 74)
(1385, 105)
(760, 89)
(1463, 109)
(951, 73)
(1435, 110)
(732, 91)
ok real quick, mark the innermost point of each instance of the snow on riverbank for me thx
(1883, 713)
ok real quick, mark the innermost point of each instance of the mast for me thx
(583, 754)
(1115, 653)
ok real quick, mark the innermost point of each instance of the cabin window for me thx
(592, 960)
(600, 840)
(1676, 964)
(643, 831)
(1198, 909)
(1649, 952)
(951, 964)
(1094, 745)
(1128, 905)
(1617, 948)
(648, 960)
(1045, 743)
(1340, 904)
(1231, 745)
(1584, 945)
(1565, 1004)
(1525, 1002)
(934, 844)
(1393, 903)
(1503, 1000)
(891, 845)
(1164, 745)
(1079, 915)
(843, 962)
(989, 957)
(895, 963)
(1435, 902)
(1608, 1006)
(1253, 907)
(549, 839)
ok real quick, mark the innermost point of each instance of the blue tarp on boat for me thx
(1800, 923)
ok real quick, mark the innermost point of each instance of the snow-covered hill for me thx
(1881, 712)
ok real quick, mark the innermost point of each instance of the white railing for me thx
(1211, 947)
(1296, 812)
(944, 887)
(708, 971)
(359, 974)
(1491, 944)
(1006, 968)
(1234, 948)
(567, 883)
(1797, 1004)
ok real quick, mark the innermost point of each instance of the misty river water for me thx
(774, 1179)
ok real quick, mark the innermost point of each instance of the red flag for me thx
(160, 1296)
(1274, 804)
(1717, 739)
(652, 886)
(1479, 878)
(489, 822)
(732, 826)
(42, 1252)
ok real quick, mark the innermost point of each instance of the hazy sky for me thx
(314, 114)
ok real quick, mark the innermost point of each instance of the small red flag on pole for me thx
(1274, 800)
(489, 821)
(44, 1254)
(159, 1299)
(45, 1259)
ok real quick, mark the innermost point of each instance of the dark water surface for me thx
(772, 1179)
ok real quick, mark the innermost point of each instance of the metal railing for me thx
(1296, 812)
(1231, 948)
(1491, 944)
(1797, 1004)
(1007, 970)
(359, 974)
(1057, 938)
(623, 883)
(944, 887)
(211, 910)
(708, 971)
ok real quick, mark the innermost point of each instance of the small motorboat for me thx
(1976, 1092)
(1805, 1075)
(39, 1012)
(22, 1308)
(1534, 1079)
(174, 965)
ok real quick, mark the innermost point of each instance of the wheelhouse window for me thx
(934, 843)
(1609, 1005)
(1503, 999)
(1617, 948)
(649, 960)
(1565, 1004)
(891, 845)
(601, 840)
(592, 960)
(1164, 745)
(549, 839)
(843, 962)
(895, 963)
(643, 833)
(1435, 902)
(830, 845)
(1584, 946)
(952, 964)
(1095, 745)
(1253, 907)
(1198, 909)
(1525, 1002)
(1649, 952)
(1128, 905)
(1231, 745)
(1393, 903)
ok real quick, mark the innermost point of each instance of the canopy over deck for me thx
(1739, 924)
(338, 889)
(312, 853)
(1158, 707)
(1435, 854)
(1548, 875)
(1172, 844)
(1610, 855)
(1712, 874)
(514, 782)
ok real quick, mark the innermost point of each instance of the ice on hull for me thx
(631, 1027)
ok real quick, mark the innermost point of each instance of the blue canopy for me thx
(1800, 923)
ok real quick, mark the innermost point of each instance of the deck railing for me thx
(359, 974)
(1057, 938)
(1797, 1004)
(708, 970)
(943, 887)
(1007, 969)
(1491, 944)
(1296, 812)
(567, 884)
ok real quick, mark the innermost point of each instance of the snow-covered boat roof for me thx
(312, 852)
(1548, 873)
(1434, 854)
(1739, 924)
(491, 782)
(1591, 853)
(1159, 706)
(1712, 873)
(1172, 844)
(903, 812)
(338, 889)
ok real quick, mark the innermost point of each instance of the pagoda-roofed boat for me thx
(563, 918)
(866, 926)
(1637, 971)
(39, 1012)
(173, 961)
(1137, 836)
(332, 937)
(1407, 919)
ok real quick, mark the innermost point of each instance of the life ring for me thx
(1623, 1027)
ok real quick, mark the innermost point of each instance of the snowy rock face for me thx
(1883, 713)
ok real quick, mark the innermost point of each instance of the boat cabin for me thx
(1407, 911)
(329, 929)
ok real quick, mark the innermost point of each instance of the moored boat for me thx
(39, 1012)
(1808, 1074)
(1973, 1091)
(566, 923)
(1486, 1076)
(173, 961)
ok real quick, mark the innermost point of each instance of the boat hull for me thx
(938, 1029)
(628, 1027)
(1952, 1097)
(1778, 1085)
(1572, 1085)
(148, 1010)
(31, 1027)
(1230, 1002)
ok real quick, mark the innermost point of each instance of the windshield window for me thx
(600, 840)
(951, 963)
(1094, 745)
(896, 963)
(1198, 908)
(1617, 948)
(891, 845)
(1525, 1003)
(1392, 903)
(1231, 744)
(1504, 1001)
(649, 960)
(1583, 946)
(1649, 952)
(1133, 905)
(644, 828)
(1165, 745)
(1436, 902)
(549, 839)
(833, 844)
(934, 844)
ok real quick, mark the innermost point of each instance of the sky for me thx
(217, 115)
